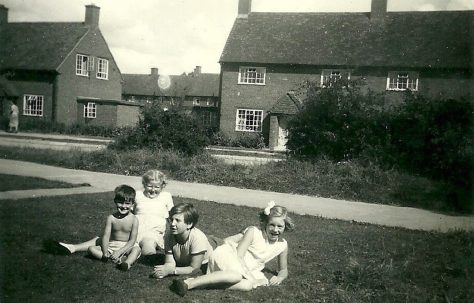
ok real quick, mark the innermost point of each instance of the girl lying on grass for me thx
(239, 265)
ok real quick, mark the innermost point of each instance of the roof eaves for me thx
(72, 50)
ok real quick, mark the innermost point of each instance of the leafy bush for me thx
(246, 140)
(47, 126)
(170, 130)
(435, 138)
(339, 122)
(423, 136)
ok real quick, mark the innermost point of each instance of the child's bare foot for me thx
(124, 266)
(57, 248)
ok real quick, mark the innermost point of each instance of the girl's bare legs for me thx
(217, 279)
(148, 246)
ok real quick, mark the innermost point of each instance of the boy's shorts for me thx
(116, 245)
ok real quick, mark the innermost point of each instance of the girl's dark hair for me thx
(190, 213)
(277, 211)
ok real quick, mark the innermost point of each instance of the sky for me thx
(177, 35)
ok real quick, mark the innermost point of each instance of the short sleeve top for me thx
(182, 253)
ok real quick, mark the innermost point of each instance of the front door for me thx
(282, 133)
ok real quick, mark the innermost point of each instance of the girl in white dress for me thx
(239, 265)
(152, 207)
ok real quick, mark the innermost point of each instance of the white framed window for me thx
(196, 101)
(249, 120)
(102, 68)
(331, 76)
(84, 64)
(252, 75)
(90, 110)
(401, 81)
(33, 105)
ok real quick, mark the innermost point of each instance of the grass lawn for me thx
(11, 182)
(329, 260)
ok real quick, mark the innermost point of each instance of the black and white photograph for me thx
(236, 151)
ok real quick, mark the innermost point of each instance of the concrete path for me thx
(52, 141)
(406, 217)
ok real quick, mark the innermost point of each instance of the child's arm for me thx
(194, 266)
(131, 240)
(242, 248)
(106, 237)
(161, 271)
(282, 268)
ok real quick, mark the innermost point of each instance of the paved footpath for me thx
(406, 217)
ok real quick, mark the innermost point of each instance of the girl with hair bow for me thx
(238, 264)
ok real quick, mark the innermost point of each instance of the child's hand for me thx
(275, 280)
(161, 271)
(115, 257)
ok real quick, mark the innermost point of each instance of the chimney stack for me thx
(92, 15)
(245, 7)
(154, 71)
(197, 70)
(3, 14)
(378, 9)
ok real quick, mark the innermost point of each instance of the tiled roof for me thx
(38, 46)
(287, 104)
(7, 88)
(189, 85)
(136, 84)
(412, 39)
(204, 85)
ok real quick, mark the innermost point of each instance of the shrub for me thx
(47, 126)
(249, 140)
(339, 122)
(435, 138)
(170, 130)
(423, 136)
(246, 140)
(221, 139)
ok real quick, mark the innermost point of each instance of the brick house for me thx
(63, 72)
(268, 55)
(195, 92)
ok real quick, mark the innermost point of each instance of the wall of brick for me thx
(70, 86)
(280, 79)
(33, 84)
(127, 115)
(106, 115)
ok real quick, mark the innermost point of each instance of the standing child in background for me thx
(239, 265)
(120, 233)
(151, 209)
(14, 121)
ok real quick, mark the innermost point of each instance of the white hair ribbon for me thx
(267, 209)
